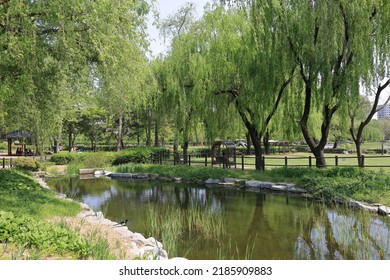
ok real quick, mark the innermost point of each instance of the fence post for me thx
(285, 161)
(189, 160)
(310, 164)
(263, 163)
(10, 162)
(336, 160)
(242, 162)
(205, 160)
(3, 163)
(161, 157)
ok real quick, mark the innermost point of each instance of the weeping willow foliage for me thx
(223, 52)
(46, 48)
(336, 45)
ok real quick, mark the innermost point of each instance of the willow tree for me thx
(248, 67)
(180, 90)
(332, 44)
(44, 45)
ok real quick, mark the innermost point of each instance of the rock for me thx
(177, 179)
(60, 195)
(362, 206)
(121, 175)
(98, 172)
(253, 184)
(85, 207)
(293, 189)
(278, 188)
(87, 171)
(100, 215)
(338, 199)
(233, 180)
(384, 210)
(141, 176)
(212, 181)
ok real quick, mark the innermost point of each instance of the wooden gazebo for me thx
(18, 134)
(224, 152)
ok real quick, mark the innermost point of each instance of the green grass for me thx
(25, 232)
(21, 194)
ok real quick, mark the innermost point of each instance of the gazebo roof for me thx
(228, 143)
(17, 134)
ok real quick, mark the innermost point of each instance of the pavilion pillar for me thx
(9, 146)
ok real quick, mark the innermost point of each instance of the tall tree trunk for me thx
(185, 152)
(358, 137)
(248, 143)
(256, 141)
(119, 142)
(267, 148)
(156, 138)
(70, 136)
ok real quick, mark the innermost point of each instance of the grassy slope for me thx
(24, 232)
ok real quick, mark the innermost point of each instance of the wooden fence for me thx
(7, 163)
(245, 162)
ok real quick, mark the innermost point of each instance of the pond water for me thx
(202, 223)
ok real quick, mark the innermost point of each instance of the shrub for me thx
(27, 164)
(64, 158)
(97, 160)
(138, 155)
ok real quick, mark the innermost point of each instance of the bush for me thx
(138, 155)
(64, 158)
(97, 160)
(27, 164)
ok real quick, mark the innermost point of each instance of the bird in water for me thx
(121, 223)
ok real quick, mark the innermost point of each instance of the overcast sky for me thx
(166, 8)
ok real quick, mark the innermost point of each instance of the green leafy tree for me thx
(249, 66)
(46, 45)
(334, 44)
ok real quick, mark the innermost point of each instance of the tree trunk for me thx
(320, 157)
(156, 138)
(185, 152)
(248, 143)
(256, 141)
(358, 137)
(267, 148)
(359, 153)
(119, 143)
(70, 137)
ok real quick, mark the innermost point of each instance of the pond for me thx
(201, 223)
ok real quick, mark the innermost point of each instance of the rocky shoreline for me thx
(254, 186)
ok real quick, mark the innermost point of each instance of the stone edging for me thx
(144, 248)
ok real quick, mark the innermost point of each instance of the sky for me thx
(166, 8)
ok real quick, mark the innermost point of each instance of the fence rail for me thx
(245, 162)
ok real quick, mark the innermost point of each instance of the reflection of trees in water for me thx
(342, 234)
(281, 227)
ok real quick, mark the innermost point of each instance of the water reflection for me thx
(256, 225)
